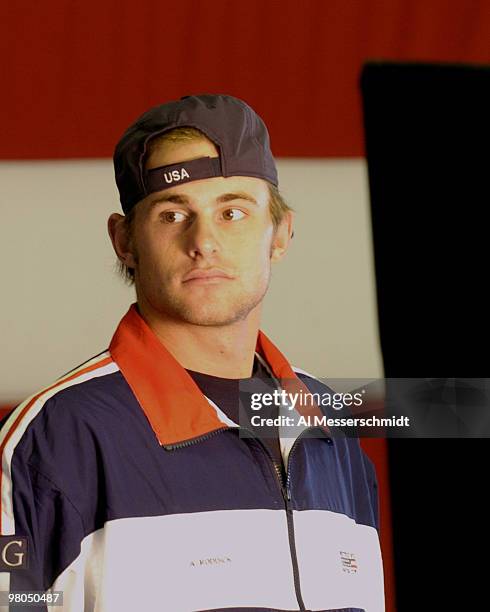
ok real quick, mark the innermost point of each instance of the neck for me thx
(226, 351)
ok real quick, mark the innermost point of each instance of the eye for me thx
(233, 214)
(173, 216)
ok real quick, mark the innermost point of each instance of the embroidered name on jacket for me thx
(210, 561)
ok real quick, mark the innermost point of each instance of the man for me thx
(139, 481)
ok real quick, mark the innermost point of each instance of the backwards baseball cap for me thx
(234, 127)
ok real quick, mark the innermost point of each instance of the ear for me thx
(282, 237)
(120, 239)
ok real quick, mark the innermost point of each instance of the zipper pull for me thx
(288, 492)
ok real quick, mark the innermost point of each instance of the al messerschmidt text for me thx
(317, 421)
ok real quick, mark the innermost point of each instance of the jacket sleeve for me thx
(39, 511)
(372, 481)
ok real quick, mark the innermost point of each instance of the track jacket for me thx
(134, 492)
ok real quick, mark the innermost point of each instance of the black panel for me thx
(427, 143)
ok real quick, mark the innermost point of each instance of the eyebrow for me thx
(177, 198)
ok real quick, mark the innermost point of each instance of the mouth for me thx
(205, 276)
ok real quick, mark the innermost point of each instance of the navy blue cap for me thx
(239, 134)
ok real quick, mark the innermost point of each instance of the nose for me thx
(202, 238)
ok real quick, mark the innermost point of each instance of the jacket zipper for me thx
(284, 487)
(286, 493)
(292, 540)
(195, 440)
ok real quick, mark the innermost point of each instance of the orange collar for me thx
(174, 405)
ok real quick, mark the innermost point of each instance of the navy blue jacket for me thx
(135, 492)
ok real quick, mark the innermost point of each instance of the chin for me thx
(216, 312)
(212, 316)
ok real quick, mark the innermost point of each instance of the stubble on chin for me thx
(211, 308)
(214, 312)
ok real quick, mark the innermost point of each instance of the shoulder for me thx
(73, 385)
(63, 410)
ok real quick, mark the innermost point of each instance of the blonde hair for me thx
(277, 204)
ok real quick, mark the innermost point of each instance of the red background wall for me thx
(76, 73)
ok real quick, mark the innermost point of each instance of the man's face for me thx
(202, 249)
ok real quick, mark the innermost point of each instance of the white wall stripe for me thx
(320, 306)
